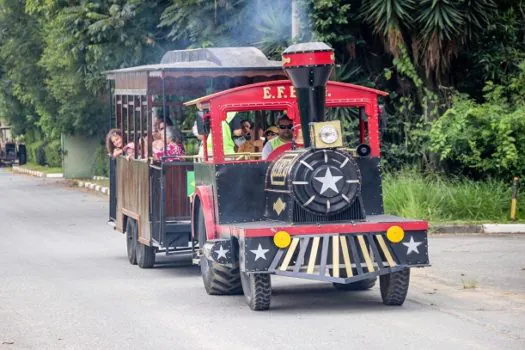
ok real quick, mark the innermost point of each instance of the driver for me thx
(285, 126)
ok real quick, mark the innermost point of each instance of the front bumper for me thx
(339, 258)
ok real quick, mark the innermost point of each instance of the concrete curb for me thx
(25, 171)
(479, 229)
(92, 187)
(100, 178)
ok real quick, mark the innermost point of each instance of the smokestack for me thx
(309, 65)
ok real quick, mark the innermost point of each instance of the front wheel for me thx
(218, 279)
(131, 241)
(394, 287)
(257, 288)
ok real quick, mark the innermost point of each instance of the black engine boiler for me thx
(310, 185)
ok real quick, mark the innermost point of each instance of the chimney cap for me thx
(307, 47)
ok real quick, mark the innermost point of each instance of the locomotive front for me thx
(313, 212)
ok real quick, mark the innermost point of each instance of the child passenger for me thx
(115, 143)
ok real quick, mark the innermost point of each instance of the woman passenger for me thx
(158, 134)
(174, 146)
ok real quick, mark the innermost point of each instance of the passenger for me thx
(285, 136)
(174, 146)
(158, 135)
(250, 145)
(114, 143)
(270, 133)
(129, 150)
(231, 133)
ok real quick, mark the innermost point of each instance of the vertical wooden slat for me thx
(289, 254)
(335, 256)
(366, 255)
(346, 257)
(313, 255)
(386, 251)
(324, 255)
(302, 251)
(135, 127)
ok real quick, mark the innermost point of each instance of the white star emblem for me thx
(221, 253)
(412, 245)
(260, 252)
(329, 181)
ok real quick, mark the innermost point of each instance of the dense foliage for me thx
(452, 68)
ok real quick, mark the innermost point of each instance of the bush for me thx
(481, 140)
(101, 166)
(36, 153)
(53, 154)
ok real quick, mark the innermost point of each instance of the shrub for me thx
(36, 153)
(101, 165)
(481, 140)
(53, 154)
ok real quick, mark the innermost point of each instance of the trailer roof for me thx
(229, 61)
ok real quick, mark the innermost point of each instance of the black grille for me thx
(354, 212)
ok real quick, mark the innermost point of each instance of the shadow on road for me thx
(323, 297)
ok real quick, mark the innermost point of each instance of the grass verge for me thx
(43, 168)
(438, 200)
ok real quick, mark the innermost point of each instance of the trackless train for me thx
(312, 210)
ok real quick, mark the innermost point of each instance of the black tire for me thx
(217, 279)
(145, 255)
(131, 241)
(359, 285)
(394, 287)
(257, 289)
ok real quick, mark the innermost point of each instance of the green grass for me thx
(43, 168)
(439, 200)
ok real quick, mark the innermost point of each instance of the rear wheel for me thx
(257, 289)
(218, 279)
(394, 287)
(131, 241)
(145, 254)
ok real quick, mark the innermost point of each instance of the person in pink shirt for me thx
(174, 146)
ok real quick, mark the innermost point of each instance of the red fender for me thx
(279, 150)
(205, 196)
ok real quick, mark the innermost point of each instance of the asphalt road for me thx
(65, 283)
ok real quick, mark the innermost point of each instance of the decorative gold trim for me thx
(279, 206)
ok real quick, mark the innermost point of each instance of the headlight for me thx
(328, 134)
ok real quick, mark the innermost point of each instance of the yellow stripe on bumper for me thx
(355, 252)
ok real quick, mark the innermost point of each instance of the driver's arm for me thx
(267, 149)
